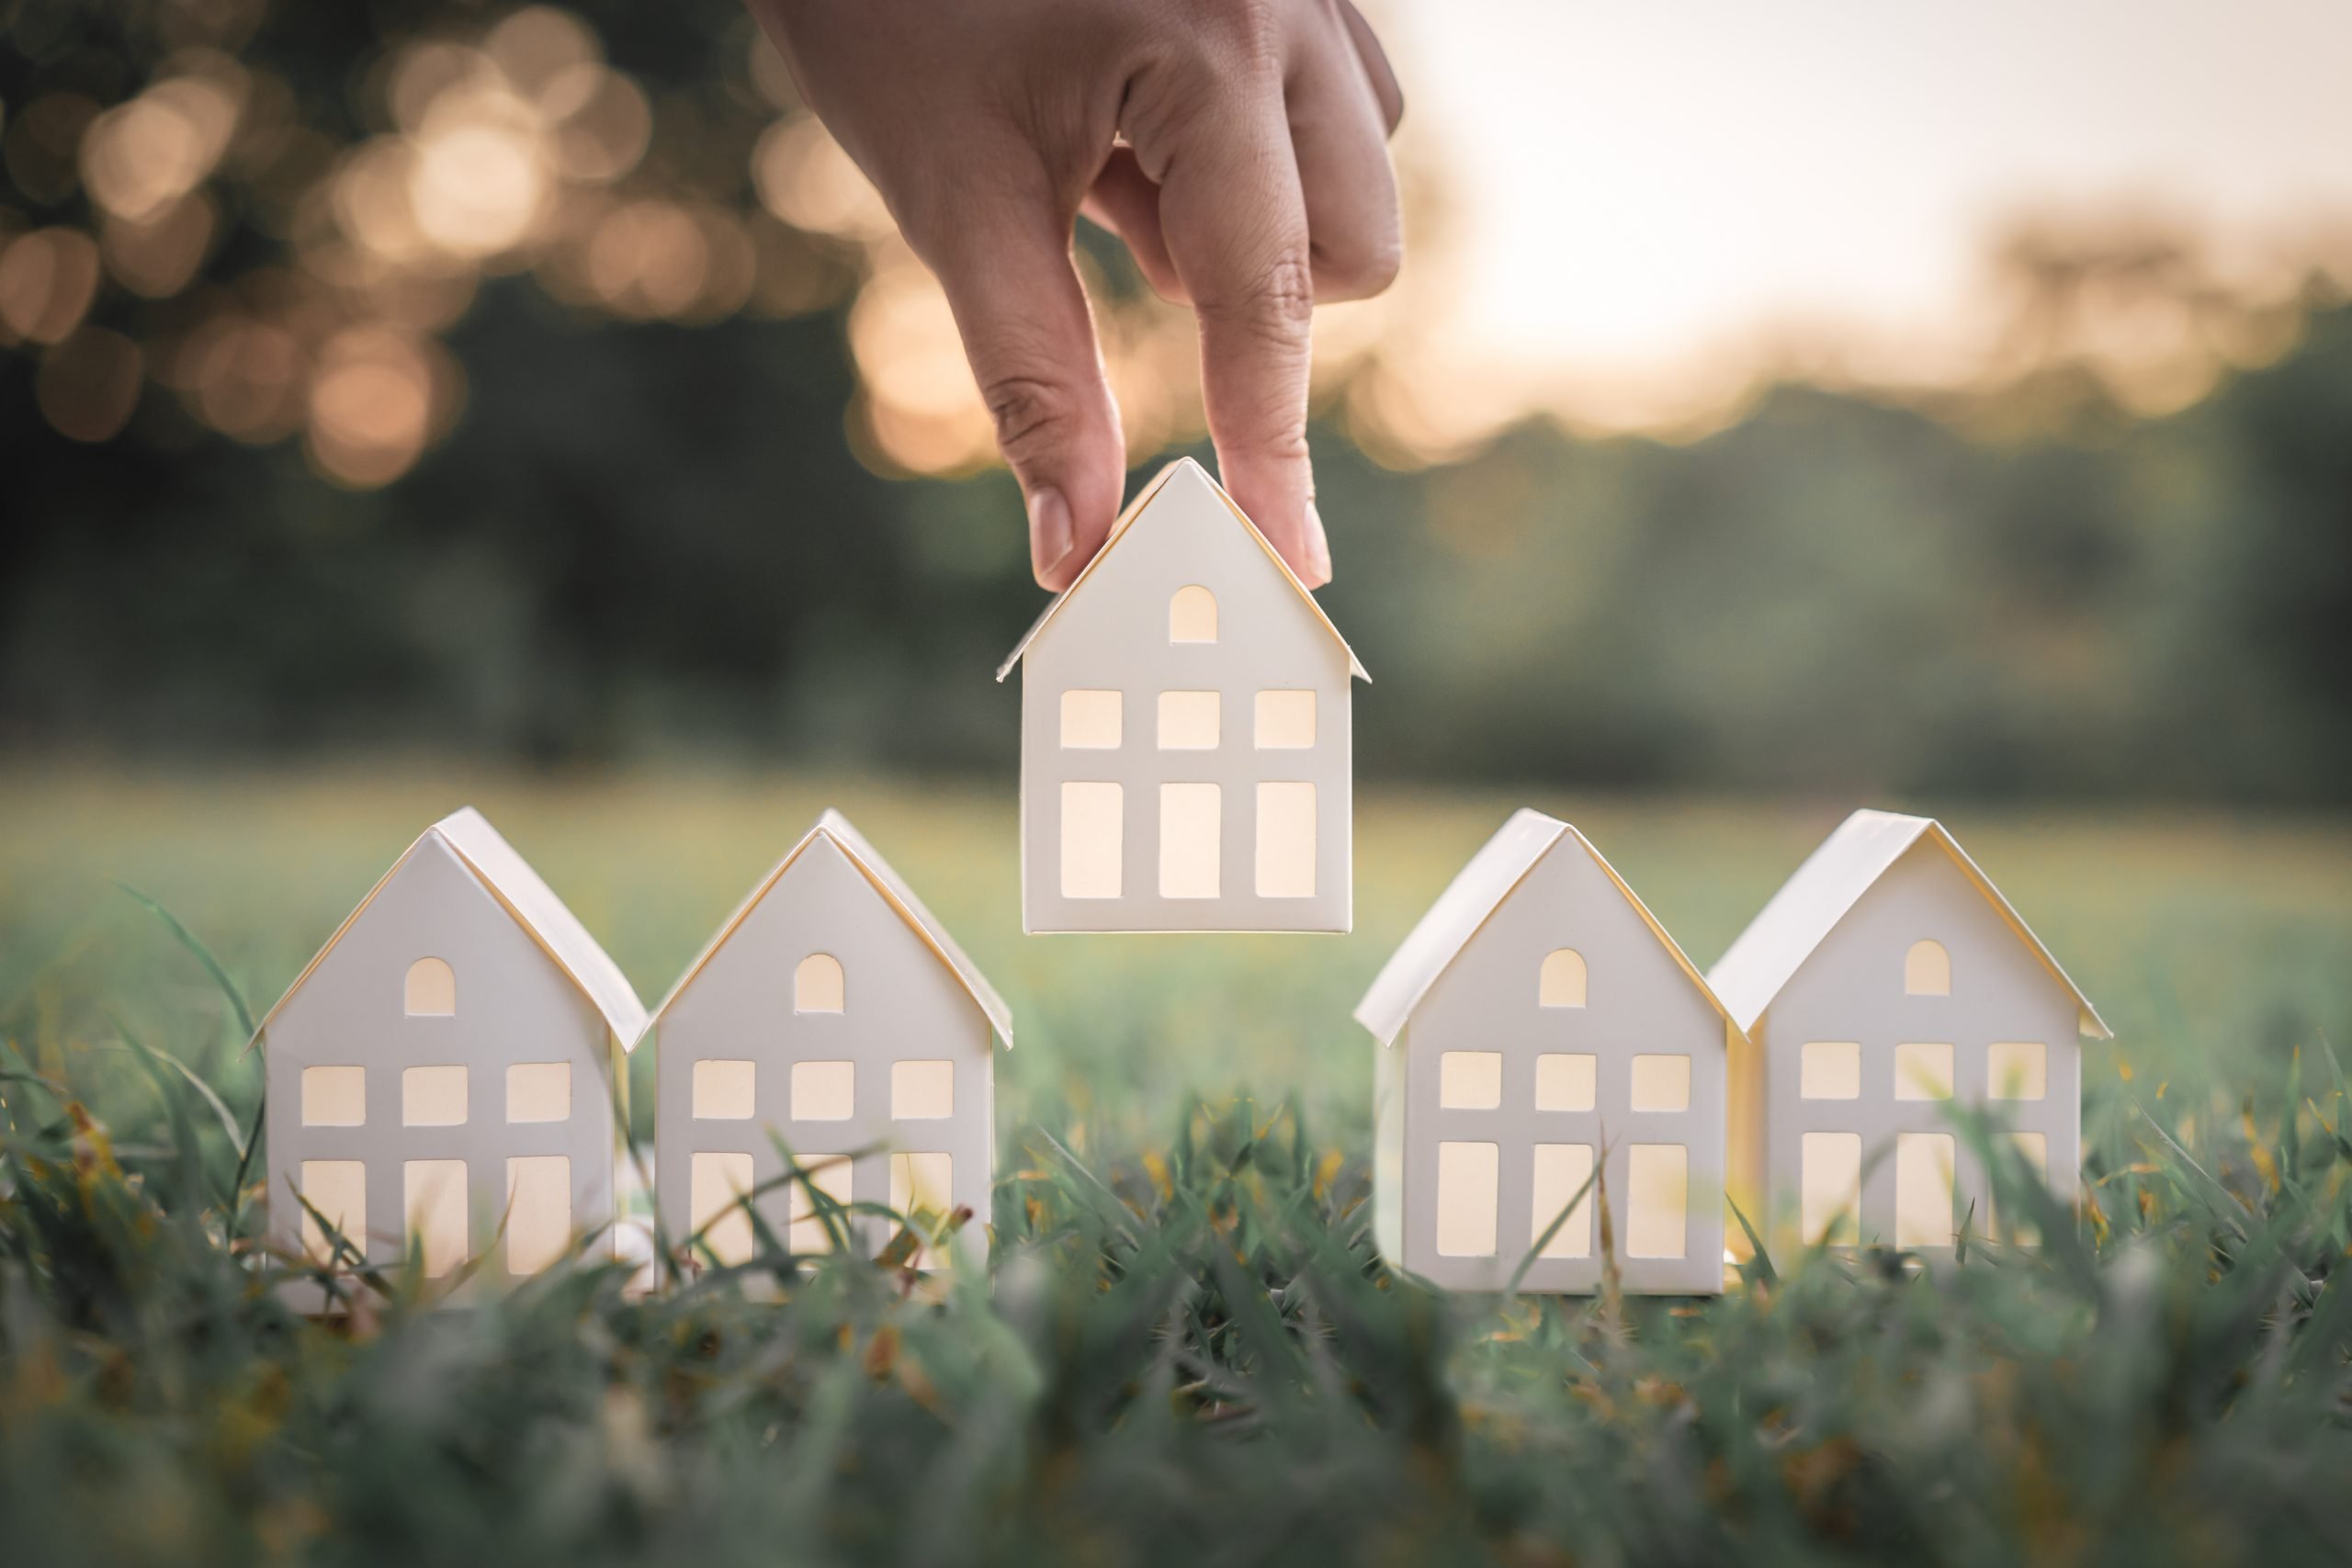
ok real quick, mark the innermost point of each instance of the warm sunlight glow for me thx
(1631, 252)
(1582, 240)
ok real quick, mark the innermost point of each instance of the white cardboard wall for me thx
(1850, 991)
(1115, 632)
(514, 1007)
(908, 1038)
(1645, 1013)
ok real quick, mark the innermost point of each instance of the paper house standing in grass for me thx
(1539, 1019)
(1185, 732)
(1885, 981)
(443, 1076)
(831, 1017)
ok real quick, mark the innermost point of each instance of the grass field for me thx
(1188, 1352)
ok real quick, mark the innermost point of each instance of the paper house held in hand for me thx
(1885, 982)
(1537, 1021)
(1184, 733)
(834, 1020)
(446, 1075)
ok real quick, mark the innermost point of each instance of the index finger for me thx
(1236, 229)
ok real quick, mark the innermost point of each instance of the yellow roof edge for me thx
(2091, 1024)
(1565, 830)
(727, 928)
(1658, 929)
(1355, 665)
(1132, 510)
(1405, 1013)
(990, 1006)
(489, 885)
(336, 936)
(885, 881)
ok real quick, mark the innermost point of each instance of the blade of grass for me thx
(191, 1153)
(1760, 1259)
(246, 1028)
(1510, 1290)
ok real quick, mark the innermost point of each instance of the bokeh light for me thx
(370, 406)
(47, 281)
(312, 261)
(244, 377)
(156, 256)
(478, 181)
(805, 179)
(602, 127)
(140, 158)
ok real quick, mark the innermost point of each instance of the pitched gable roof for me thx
(835, 829)
(1185, 472)
(1765, 956)
(520, 891)
(1476, 892)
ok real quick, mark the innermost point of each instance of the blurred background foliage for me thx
(545, 383)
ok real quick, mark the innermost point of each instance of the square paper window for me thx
(823, 1091)
(1285, 721)
(921, 1091)
(1565, 1082)
(1090, 721)
(1470, 1080)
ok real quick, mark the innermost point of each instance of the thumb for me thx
(1008, 277)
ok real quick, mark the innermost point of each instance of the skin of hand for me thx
(1238, 148)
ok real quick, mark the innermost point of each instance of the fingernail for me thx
(1319, 546)
(1049, 531)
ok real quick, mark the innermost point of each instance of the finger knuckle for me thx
(1278, 305)
(1032, 415)
(1283, 440)
(1165, 110)
(1251, 29)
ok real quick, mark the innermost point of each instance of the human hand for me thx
(1238, 147)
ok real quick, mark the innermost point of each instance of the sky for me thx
(1645, 191)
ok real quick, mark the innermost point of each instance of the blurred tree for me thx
(543, 381)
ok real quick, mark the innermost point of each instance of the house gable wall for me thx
(900, 1001)
(1851, 989)
(515, 1005)
(1638, 1000)
(1113, 633)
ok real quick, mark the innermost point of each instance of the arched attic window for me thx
(431, 990)
(1926, 970)
(817, 984)
(1561, 984)
(1192, 615)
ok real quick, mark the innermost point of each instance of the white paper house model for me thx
(1885, 981)
(1537, 1020)
(833, 1018)
(1185, 732)
(443, 1076)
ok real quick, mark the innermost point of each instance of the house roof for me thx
(1475, 893)
(1832, 880)
(1184, 470)
(520, 891)
(835, 829)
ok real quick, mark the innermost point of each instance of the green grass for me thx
(1188, 1351)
